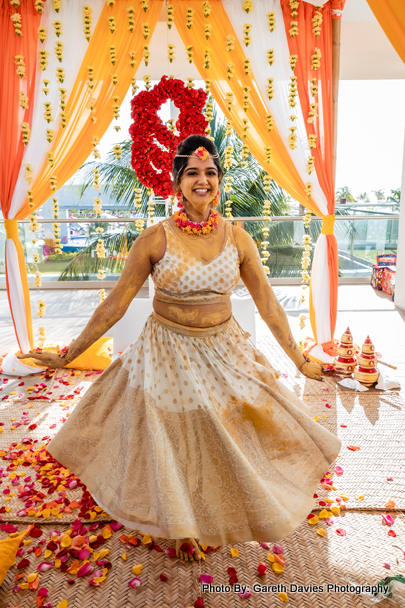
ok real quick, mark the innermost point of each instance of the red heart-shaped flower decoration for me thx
(154, 144)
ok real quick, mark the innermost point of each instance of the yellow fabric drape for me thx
(281, 168)
(11, 228)
(390, 14)
(328, 222)
(72, 144)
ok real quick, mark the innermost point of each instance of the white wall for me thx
(400, 277)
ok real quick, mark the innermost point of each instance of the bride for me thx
(189, 435)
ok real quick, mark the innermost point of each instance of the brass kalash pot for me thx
(366, 371)
(345, 362)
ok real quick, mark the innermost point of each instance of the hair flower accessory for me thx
(202, 153)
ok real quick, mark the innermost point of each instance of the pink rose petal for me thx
(339, 471)
(44, 566)
(171, 552)
(388, 519)
(265, 546)
(85, 570)
(245, 594)
(206, 578)
(278, 549)
(43, 592)
(135, 582)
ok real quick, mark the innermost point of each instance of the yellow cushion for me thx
(8, 551)
(97, 356)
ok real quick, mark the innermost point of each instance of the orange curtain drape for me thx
(72, 145)
(11, 114)
(390, 14)
(281, 168)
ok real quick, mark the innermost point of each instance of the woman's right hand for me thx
(44, 359)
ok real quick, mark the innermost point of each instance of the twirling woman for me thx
(189, 435)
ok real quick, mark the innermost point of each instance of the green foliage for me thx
(380, 194)
(395, 196)
(86, 262)
(344, 192)
(364, 197)
(118, 179)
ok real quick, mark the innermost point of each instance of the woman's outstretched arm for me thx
(143, 254)
(255, 279)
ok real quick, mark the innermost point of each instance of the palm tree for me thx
(380, 194)
(345, 193)
(364, 197)
(118, 179)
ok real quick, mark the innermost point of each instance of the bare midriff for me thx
(205, 315)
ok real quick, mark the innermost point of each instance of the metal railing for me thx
(273, 218)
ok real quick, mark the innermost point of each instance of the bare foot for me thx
(184, 554)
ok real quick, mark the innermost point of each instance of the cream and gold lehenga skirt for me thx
(189, 434)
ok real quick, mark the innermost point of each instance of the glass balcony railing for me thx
(360, 238)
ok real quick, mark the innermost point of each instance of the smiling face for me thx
(199, 181)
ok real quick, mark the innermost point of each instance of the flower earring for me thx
(215, 202)
(180, 198)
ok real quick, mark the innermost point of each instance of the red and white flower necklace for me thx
(182, 221)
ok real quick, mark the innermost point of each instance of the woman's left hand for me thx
(311, 370)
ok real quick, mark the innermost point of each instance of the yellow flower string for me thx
(230, 68)
(131, 19)
(270, 56)
(230, 100)
(265, 230)
(189, 17)
(228, 157)
(311, 142)
(170, 16)
(270, 122)
(271, 21)
(247, 38)
(16, 19)
(247, 67)
(170, 52)
(230, 42)
(23, 100)
(316, 59)
(21, 67)
(111, 24)
(206, 7)
(43, 60)
(25, 132)
(293, 92)
(87, 20)
(246, 98)
(42, 35)
(207, 59)
(228, 189)
(146, 54)
(270, 88)
(292, 138)
(316, 22)
(57, 27)
(147, 79)
(145, 30)
(313, 112)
